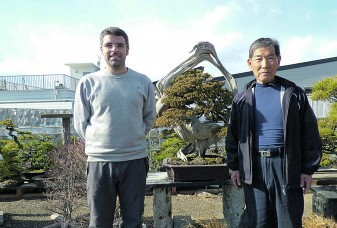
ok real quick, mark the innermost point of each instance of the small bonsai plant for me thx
(35, 153)
(11, 165)
(24, 153)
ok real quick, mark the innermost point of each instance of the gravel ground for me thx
(29, 211)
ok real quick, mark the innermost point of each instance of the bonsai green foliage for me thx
(327, 90)
(193, 159)
(326, 161)
(171, 146)
(328, 134)
(8, 124)
(11, 165)
(168, 149)
(196, 93)
(36, 151)
(26, 152)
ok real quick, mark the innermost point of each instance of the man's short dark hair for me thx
(115, 31)
(264, 42)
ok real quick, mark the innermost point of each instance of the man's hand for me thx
(236, 179)
(306, 181)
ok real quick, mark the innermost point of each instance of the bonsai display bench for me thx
(161, 185)
(23, 188)
(33, 184)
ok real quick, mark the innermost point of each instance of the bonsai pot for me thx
(32, 174)
(197, 172)
(10, 184)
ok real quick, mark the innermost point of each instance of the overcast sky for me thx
(41, 36)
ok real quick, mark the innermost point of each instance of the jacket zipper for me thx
(285, 109)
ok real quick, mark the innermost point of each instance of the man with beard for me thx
(114, 109)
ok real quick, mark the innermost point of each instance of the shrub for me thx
(12, 164)
(66, 185)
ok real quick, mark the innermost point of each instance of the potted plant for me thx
(35, 154)
(26, 154)
(197, 107)
(10, 165)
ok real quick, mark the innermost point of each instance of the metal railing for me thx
(37, 82)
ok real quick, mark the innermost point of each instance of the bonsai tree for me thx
(35, 152)
(197, 107)
(25, 152)
(327, 90)
(11, 165)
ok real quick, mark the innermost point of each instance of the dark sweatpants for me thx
(106, 180)
(268, 203)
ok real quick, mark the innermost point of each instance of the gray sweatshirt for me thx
(113, 114)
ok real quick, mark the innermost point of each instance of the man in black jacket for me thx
(273, 145)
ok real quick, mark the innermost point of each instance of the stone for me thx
(56, 217)
(162, 204)
(182, 221)
(233, 205)
(1, 218)
(324, 201)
